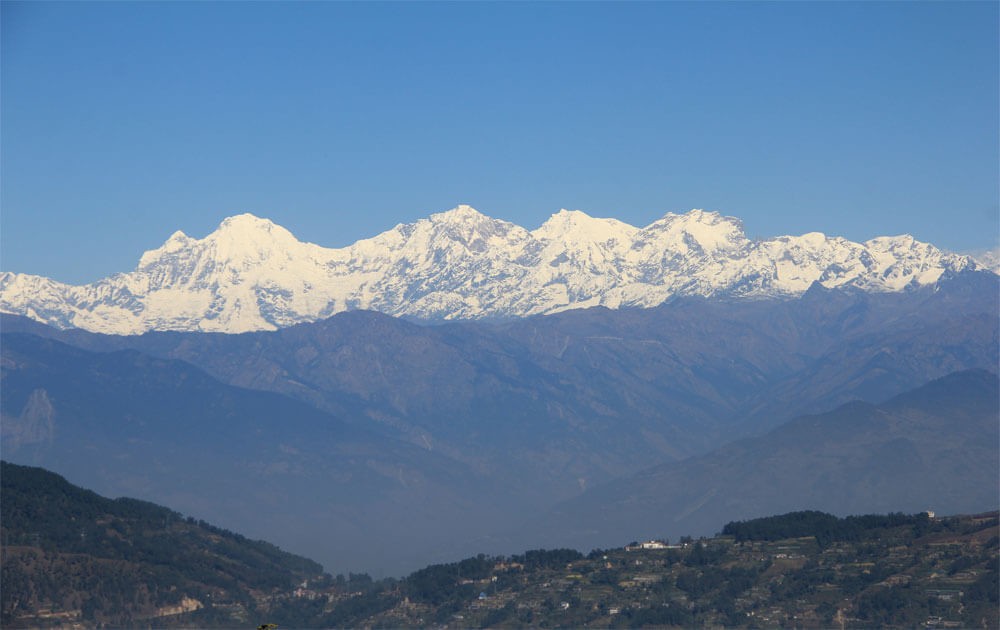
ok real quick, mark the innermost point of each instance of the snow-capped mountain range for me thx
(252, 274)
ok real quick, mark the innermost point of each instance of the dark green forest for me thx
(121, 561)
(825, 528)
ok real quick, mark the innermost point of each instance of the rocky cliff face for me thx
(251, 274)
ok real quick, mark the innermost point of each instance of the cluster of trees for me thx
(105, 591)
(826, 528)
(441, 583)
(546, 558)
(41, 509)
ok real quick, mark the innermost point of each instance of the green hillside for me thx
(72, 555)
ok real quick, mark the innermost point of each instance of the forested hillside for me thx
(802, 569)
(72, 555)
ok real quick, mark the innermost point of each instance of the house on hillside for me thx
(650, 544)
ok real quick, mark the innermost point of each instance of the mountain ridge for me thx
(252, 274)
(569, 399)
(932, 447)
(520, 413)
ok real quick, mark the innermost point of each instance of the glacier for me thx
(251, 274)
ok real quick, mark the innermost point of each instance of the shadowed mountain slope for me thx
(375, 443)
(933, 448)
(558, 403)
(127, 423)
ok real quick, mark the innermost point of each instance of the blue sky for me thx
(122, 122)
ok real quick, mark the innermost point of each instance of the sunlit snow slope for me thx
(251, 274)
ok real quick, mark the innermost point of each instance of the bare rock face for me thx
(34, 425)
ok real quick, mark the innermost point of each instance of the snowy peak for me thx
(462, 228)
(246, 235)
(177, 242)
(901, 243)
(465, 220)
(988, 259)
(575, 226)
(240, 242)
(253, 274)
(246, 223)
(461, 213)
(903, 260)
(812, 239)
(696, 232)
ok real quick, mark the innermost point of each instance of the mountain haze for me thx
(564, 401)
(251, 274)
(364, 437)
(932, 448)
(125, 423)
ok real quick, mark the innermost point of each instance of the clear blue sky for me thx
(122, 122)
